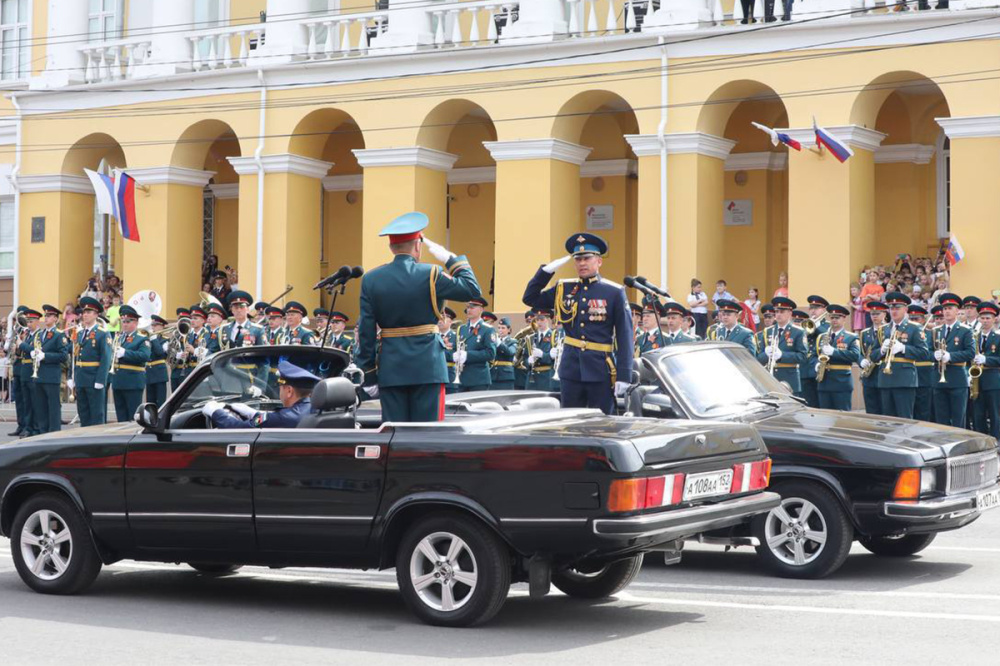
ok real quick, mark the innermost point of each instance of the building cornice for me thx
(904, 153)
(853, 135)
(171, 175)
(226, 190)
(538, 149)
(418, 156)
(54, 182)
(346, 183)
(766, 160)
(8, 132)
(470, 175)
(282, 163)
(681, 143)
(970, 127)
(608, 168)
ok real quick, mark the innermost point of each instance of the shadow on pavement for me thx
(327, 614)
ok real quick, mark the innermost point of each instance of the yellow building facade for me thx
(283, 146)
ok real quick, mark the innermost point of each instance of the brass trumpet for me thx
(810, 325)
(887, 369)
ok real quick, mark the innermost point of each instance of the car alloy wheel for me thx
(796, 531)
(46, 544)
(443, 571)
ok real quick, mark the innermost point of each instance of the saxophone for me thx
(824, 360)
(867, 372)
(976, 371)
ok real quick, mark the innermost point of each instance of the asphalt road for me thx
(940, 606)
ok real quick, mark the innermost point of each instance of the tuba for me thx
(524, 345)
(146, 303)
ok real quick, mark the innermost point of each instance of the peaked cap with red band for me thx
(405, 228)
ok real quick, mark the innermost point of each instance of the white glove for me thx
(531, 361)
(620, 388)
(440, 253)
(865, 363)
(372, 391)
(938, 353)
(255, 392)
(536, 353)
(555, 352)
(555, 265)
(211, 407)
(460, 357)
(886, 345)
(70, 384)
(817, 367)
(828, 350)
(179, 356)
(34, 353)
(243, 410)
(120, 352)
(980, 359)
(946, 357)
(201, 352)
(774, 352)
(898, 347)
(98, 386)
(40, 356)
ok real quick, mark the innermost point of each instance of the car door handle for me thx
(238, 451)
(368, 452)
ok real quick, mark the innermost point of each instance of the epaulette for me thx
(569, 280)
(611, 283)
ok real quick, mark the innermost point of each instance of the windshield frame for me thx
(777, 391)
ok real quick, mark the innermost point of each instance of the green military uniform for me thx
(178, 365)
(986, 407)
(807, 370)
(899, 387)
(838, 383)
(92, 358)
(791, 341)
(870, 340)
(156, 369)
(450, 340)
(521, 356)
(952, 396)
(923, 404)
(479, 341)
(24, 370)
(502, 368)
(738, 333)
(541, 373)
(300, 335)
(129, 370)
(405, 298)
(52, 353)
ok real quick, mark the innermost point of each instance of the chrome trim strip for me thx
(190, 515)
(104, 514)
(325, 518)
(544, 520)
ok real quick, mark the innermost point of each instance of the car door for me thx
(318, 491)
(191, 490)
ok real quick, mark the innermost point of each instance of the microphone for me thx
(652, 287)
(356, 272)
(332, 280)
(632, 282)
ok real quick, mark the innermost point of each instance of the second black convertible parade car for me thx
(461, 509)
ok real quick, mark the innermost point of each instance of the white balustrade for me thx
(113, 61)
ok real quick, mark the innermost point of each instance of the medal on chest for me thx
(597, 309)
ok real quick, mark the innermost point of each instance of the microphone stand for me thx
(334, 291)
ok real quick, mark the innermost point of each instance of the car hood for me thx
(868, 432)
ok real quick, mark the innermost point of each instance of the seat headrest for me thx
(333, 393)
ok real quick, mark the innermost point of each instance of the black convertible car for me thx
(890, 483)
(517, 492)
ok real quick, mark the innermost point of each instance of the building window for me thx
(14, 40)
(105, 19)
(207, 225)
(8, 236)
(943, 164)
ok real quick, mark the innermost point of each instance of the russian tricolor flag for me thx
(778, 137)
(117, 199)
(837, 148)
(954, 252)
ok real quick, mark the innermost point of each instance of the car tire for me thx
(211, 569)
(606, 582)
(453, 571)
(813, 549)
(904, 546)
(53, 550)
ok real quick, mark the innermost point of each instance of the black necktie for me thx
(239, 335)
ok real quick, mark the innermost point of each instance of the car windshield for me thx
(254, 374)
(714, 381)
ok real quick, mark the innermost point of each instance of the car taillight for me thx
(907, 485)
(751, 476)
(646, 493)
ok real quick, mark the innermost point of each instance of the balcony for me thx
(434, 26)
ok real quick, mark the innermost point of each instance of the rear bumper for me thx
(681, 523)
(944, 512)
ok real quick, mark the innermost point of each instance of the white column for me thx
(538, 21)
(64, 63)
(286, 38)
(410, 28)
(171, 47)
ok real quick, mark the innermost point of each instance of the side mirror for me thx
(659, 405)
(148, 416)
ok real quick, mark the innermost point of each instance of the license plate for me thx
(987, 501)
(707, 484)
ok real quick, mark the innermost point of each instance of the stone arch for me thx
(574, 115)
(718, 108)
(915, 89)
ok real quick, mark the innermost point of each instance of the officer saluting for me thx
(404, 298)
(129, 365)
(93, 360)
(596, 363)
